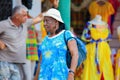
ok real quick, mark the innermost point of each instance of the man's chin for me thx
(24, 21)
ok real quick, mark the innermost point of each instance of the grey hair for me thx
(18, 9)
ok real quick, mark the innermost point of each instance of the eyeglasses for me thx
(49, 20)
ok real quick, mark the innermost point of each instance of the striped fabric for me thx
(31, 44)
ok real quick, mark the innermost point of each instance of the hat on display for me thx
(54, 13)
(97, 21)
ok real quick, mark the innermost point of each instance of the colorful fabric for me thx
(31, 44)
(105, 10)
(117, 65)
(43, 31)
(53, 64)
(79, 18)
(98, 59)
(115, 4)
(78, 73)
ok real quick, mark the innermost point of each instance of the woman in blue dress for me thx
(53, 50)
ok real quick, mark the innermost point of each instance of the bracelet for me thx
(71, 71)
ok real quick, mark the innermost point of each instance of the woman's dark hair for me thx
(61, 27)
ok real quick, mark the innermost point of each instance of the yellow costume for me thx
(117, 66)
(98, 59)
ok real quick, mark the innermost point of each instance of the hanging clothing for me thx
(5, 9)
(117, 65)
(31, 45)
(115, 4)
(79, 17)
(98, 61)
(105, 10)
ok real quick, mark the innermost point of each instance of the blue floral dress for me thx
(53, 64)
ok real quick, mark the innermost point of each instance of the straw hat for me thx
(54, 13)
(97, 21)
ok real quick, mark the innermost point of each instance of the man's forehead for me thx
(23, 12)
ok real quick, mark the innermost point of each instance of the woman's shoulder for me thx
(68, 33)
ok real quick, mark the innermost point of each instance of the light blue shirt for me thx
(53, 64)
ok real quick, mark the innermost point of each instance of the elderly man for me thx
(13, 33)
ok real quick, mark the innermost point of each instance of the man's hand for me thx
(38, 19)
(2, 45)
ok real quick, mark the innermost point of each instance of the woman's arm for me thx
(38, 70)
(74, 53)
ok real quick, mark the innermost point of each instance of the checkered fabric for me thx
(31, 44)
